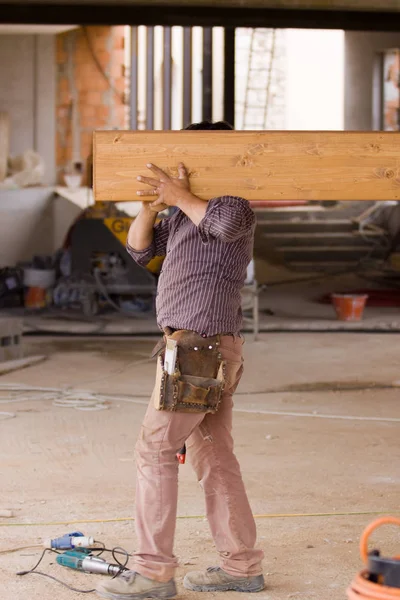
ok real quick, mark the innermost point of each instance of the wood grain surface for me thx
(270, 165)
(4, 143)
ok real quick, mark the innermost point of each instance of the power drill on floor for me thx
(82, 560)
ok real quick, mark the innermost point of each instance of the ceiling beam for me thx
(163, 14)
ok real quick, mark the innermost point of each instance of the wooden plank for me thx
(4, 143)
(263, 165)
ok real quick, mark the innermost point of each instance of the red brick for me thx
(121, 116)
(80, 43)
(120, 85)
(98, 84)
(61, 155)
(62, 58)
(118, 56)
(119, 37)
(63, 84)
(91, 85)
(87, 110)
(88, 121)
(117, 70)
(86, 71)
(101, 31)
(86, 150)
(87, 137)
(80, 85)
(61, 53)
(83, 57)
(102, 112)
(62, 113)
(104, 58)
(99, 42)
(63, 98)
(91, 97)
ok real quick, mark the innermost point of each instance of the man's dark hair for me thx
(209, 126)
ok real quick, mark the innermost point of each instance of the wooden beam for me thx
(263, 165)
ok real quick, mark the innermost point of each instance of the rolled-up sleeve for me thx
(158, 247)
(227, 218)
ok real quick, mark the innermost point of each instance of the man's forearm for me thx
(140, 235)
(193, 207)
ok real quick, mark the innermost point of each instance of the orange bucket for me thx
(35, 298)
(349, 307)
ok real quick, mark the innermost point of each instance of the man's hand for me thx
(149, 208)
(170, 190)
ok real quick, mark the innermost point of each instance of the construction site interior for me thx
(317, 411)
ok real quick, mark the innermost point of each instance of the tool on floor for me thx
(69, 541)
(82, 560)
(181, 455)
(381, 579)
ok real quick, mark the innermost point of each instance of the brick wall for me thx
(86, 98)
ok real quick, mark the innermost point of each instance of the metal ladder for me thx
(262, 80)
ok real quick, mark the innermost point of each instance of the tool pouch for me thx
(197, 383)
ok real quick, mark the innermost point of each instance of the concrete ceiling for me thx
(350, 5)
(350, 15)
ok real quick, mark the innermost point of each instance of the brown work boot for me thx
(216, 580)
(133, 586)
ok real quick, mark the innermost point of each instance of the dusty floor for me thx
(60, 464)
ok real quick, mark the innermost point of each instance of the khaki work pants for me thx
(210, 448)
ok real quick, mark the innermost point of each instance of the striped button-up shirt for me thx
(204, 270)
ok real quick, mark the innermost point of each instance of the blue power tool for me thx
(69, 541)
(82, 560)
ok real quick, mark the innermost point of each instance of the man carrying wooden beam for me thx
(208, 246)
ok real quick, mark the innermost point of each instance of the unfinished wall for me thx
(25, 224)
(27, 92)
(361, 49)
(90, 90)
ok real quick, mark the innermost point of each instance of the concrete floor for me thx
(307, 450)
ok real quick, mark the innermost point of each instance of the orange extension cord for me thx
(362, 589)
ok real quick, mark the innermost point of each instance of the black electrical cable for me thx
(119, 550)
(38, 562)
(34, 572)
(69, 587)
(114, 552)
(100, 551)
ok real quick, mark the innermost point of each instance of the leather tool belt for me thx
(197, 382)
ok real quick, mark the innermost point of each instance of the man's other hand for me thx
(169, 190)
(148, 206)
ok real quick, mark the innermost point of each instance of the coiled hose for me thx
(363, 589)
